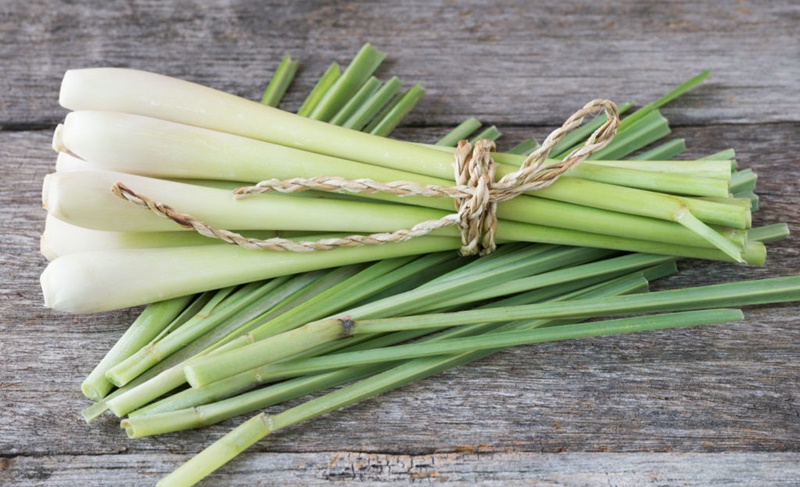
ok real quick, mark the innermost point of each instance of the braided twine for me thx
(475, 194)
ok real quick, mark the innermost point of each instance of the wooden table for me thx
(718, 405)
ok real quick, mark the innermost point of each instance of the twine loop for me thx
(475, 194)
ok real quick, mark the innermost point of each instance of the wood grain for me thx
(718, 405)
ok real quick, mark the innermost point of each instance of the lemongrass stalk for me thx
(391, 116)
(357, 73)
(459, 285)
(114, 89)
(491, 133)
(525, 147)
(653, 127)
(60, 238)
(680, 184)
(703, 168)
(357, 101)
(743, 181)
(168, 374)
(494, 341)
(150, 322)
(88, 281)
(68, 162)
(761, 291)
(280, 82)
(676, 92)
(264, 397)
(260, 426)
(727, 154)
(323, 85)
(580, 134)
(83, 199)
(367, 282)
(769, 233)
(210, 369)
(461, 131)
(667, 150)
(376, 102)
(111, 134)
(219, 453)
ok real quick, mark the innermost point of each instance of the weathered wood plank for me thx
(510, 63)
(471, 465)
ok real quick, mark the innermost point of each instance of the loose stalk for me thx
(280, 82)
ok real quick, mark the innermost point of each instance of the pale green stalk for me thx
(302, 309)
(460, 284)
(209, 369)
(664, 151)
(357, 73)
(370, 109)
(571, 140)
(82, 282)
(262, 398)
(323, 85)
(761, 291)
(525, 148)
(83, 198)
(390, 117)
(359, 99)
(280, 82)
(653, 127)
(150, 322)
(107, 142)
(676, 92)
(461, 131)
(491, 133)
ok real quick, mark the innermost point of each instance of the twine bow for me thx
(475, 194)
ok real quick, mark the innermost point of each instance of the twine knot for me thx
(475, 194)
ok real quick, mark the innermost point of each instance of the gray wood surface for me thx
(718, 405)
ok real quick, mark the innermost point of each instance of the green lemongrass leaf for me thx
(366, 91)
(318, 92)
(256, 399)
(664, 151)
(390, 118)
(461, 131)
(219, 453)
(769, 233)
(743, 181)
(762, 291)
(373, 106)
(525, 147)
(150, 322)
(357, 73)
(491, 133)
(508, 209)
(702, 168)
(579, 135)
(650, 107)
(497, 341)
(648, 130)
(280, 82)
